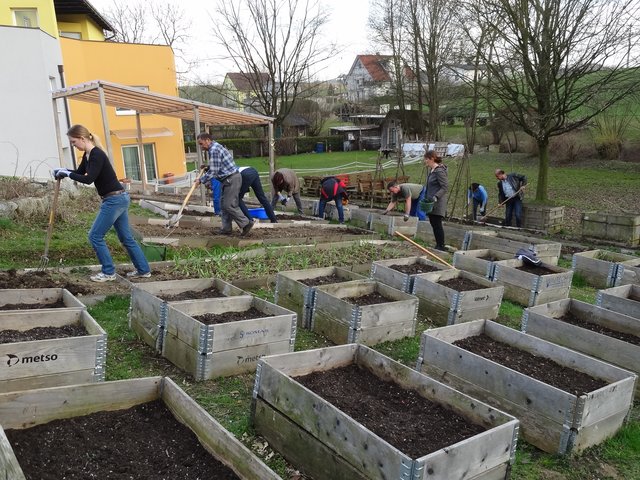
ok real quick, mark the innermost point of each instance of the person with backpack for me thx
(332, 189)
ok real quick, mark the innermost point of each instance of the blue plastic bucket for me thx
(258, 213)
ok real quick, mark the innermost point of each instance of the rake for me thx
(176, 218)
(44, 260)
(483, 219)
(420, 247)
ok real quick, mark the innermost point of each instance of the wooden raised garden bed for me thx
(400, 272)
(149, 300)
(600, 267)
(328, 443)
(480, 262)
(531, 286)
(34, 408)
(296, 289)
(393, 222)
(67, 347)
(37, 299)
(612, 226)
(547, 251)
(454, 296)
(628, 272)
(454, 234)
(598, 332)
(229, 335)
(624, 299)
(545, 218)
(361, 218)
(344, 313)
(552, 418)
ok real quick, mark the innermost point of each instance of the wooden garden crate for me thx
(624, 299)
(612, 226)
(454, 234)
(294, 295)
(148, 312)
(542, 217)
(343, 322)
(543, 322)
(309, 206)
(551, 419)
(34, 296)
(383, 271)
(52, 362)
(547, 251)
(628, 272)
(599, 267)
(29, 408)
(529, 289)
(471, 261)
(327, 444)
(447, 306)
(223, 349)
(388, 224)
(361, 218)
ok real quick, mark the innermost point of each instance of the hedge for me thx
(256, 147)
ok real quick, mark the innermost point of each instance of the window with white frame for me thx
(131, 156)
(25, 17)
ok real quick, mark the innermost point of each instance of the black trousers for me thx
(251, 179)
(438, 231)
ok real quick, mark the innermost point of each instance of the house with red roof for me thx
(373, 76)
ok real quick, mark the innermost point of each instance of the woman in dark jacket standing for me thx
(437, 187)
(95, 168)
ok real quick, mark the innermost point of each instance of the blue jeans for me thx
(323, 203)
(114, 212)
(513, 208)
(416, 210)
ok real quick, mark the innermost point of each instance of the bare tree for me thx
(436, 33)
(129, 22)
(279, 38)
(559, 63)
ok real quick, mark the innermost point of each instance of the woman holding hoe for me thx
(95, 168)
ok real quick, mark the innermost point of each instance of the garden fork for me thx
(44, 260)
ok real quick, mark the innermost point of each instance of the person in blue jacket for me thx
(479, 195)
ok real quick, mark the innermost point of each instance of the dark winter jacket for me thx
(517, 181)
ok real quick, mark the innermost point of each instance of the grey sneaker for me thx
(136, 274)
(102, 277)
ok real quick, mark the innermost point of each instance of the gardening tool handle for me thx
(501, 204)
(186, 199)
(423, 249)
(52, 216)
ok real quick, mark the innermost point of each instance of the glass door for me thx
(131, 156)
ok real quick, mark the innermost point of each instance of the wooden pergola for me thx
(144, 102)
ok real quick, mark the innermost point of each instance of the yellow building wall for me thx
(46, 13)
(80, 24)
(152, 66)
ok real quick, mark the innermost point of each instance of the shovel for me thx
(484, 217)
(44, 260)
(176, 218)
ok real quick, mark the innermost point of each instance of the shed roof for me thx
(131, 98)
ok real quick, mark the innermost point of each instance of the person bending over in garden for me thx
(96, 168)
(436, 195)
(412, 194)
(251, 179)
(510, 193)
(285, 181)
(478, 194)
(332, 189)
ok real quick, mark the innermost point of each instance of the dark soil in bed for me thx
(290, 231)
(536, 270)
(461, 284)
(369, 299)
(625, 337)
(36, 279)
(145, 442)
(32, 306)
(42, 333)
(228, 317)
(408, 421)
(325, 280)
(211, 292)
(414, 268)
(543, 369)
